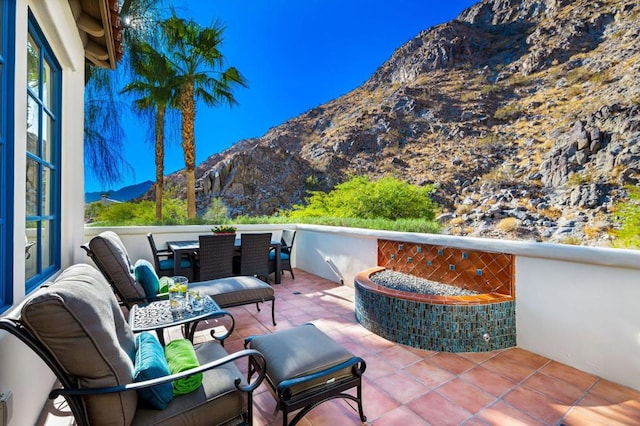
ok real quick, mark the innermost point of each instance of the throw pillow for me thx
(146, 275)
(151, 364)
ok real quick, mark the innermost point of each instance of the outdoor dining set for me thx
(221, 255)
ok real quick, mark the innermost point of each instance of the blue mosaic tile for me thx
(465, 255)
(409, 260)
(440, 252)
(400, 246)
(419, 249)
(452, 267)
(393, 256)
(444, 328)
(429, 263)
(479, 272)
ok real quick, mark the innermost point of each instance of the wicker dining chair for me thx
(254, 257)
(215, 257)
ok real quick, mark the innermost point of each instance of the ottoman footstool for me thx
(304, 368)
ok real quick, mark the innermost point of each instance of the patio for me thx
(414, 387)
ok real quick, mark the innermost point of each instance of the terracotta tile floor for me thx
(407, 386)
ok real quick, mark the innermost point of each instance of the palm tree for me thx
(194, 52)
(156, 94)
(103, 133)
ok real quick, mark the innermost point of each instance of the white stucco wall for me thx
(583, 315)
(21, 372)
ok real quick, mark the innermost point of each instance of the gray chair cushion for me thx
(111, 257)
(216, 402)
(79, 320)
(234, 291)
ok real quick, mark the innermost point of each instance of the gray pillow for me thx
(111, 254)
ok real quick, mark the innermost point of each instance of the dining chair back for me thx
(164, 261)
(254, 258)
(286, 242)
(215, 258)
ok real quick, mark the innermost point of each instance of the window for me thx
(43, 159)
(7, 22)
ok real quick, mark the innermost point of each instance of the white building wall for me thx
(21, 372)
(583, 315)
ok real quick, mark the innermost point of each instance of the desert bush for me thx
(508, 224)
(502, 175)
(464, 209)
(578, 179)
(571, 240)
(552, 213)
(217, 211)
(508, 112)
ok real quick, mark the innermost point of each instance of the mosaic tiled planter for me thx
(485, 322)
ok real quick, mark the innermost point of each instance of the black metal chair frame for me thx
(310, 399)
(286, 245)
(168, 254)
(11, 322)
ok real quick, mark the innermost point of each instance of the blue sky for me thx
(296, 55)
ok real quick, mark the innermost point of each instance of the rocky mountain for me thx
(525, 114)
(126, 193)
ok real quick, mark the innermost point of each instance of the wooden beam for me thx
(95, 50)
(90, 25)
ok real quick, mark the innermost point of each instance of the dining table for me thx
(182, 248)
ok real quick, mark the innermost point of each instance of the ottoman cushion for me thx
(298, 352)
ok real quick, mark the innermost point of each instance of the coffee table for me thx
(157, 316)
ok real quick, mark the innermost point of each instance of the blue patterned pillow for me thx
(150, 364)
(146, 275)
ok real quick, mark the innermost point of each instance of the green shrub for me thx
(386, 198)
(628, 216)
(217, 211)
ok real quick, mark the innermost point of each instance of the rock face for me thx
(524, 113)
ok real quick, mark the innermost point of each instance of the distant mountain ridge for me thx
(524, 113)
(126, 193)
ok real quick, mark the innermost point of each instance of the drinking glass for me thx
(178, 294)
(196, 301)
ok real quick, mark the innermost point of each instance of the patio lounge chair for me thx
(77, 328)
(110, 256)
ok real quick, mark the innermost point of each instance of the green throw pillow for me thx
(146, 275)
(151, 364)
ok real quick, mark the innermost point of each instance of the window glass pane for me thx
(33, 64)
(46, 191)
(47, 86)
(33, 112)
(47, 238)
(47, 129)
(31, 250)
(32, 187)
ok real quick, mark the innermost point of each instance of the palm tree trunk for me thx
(159, 160)
(188, 110)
